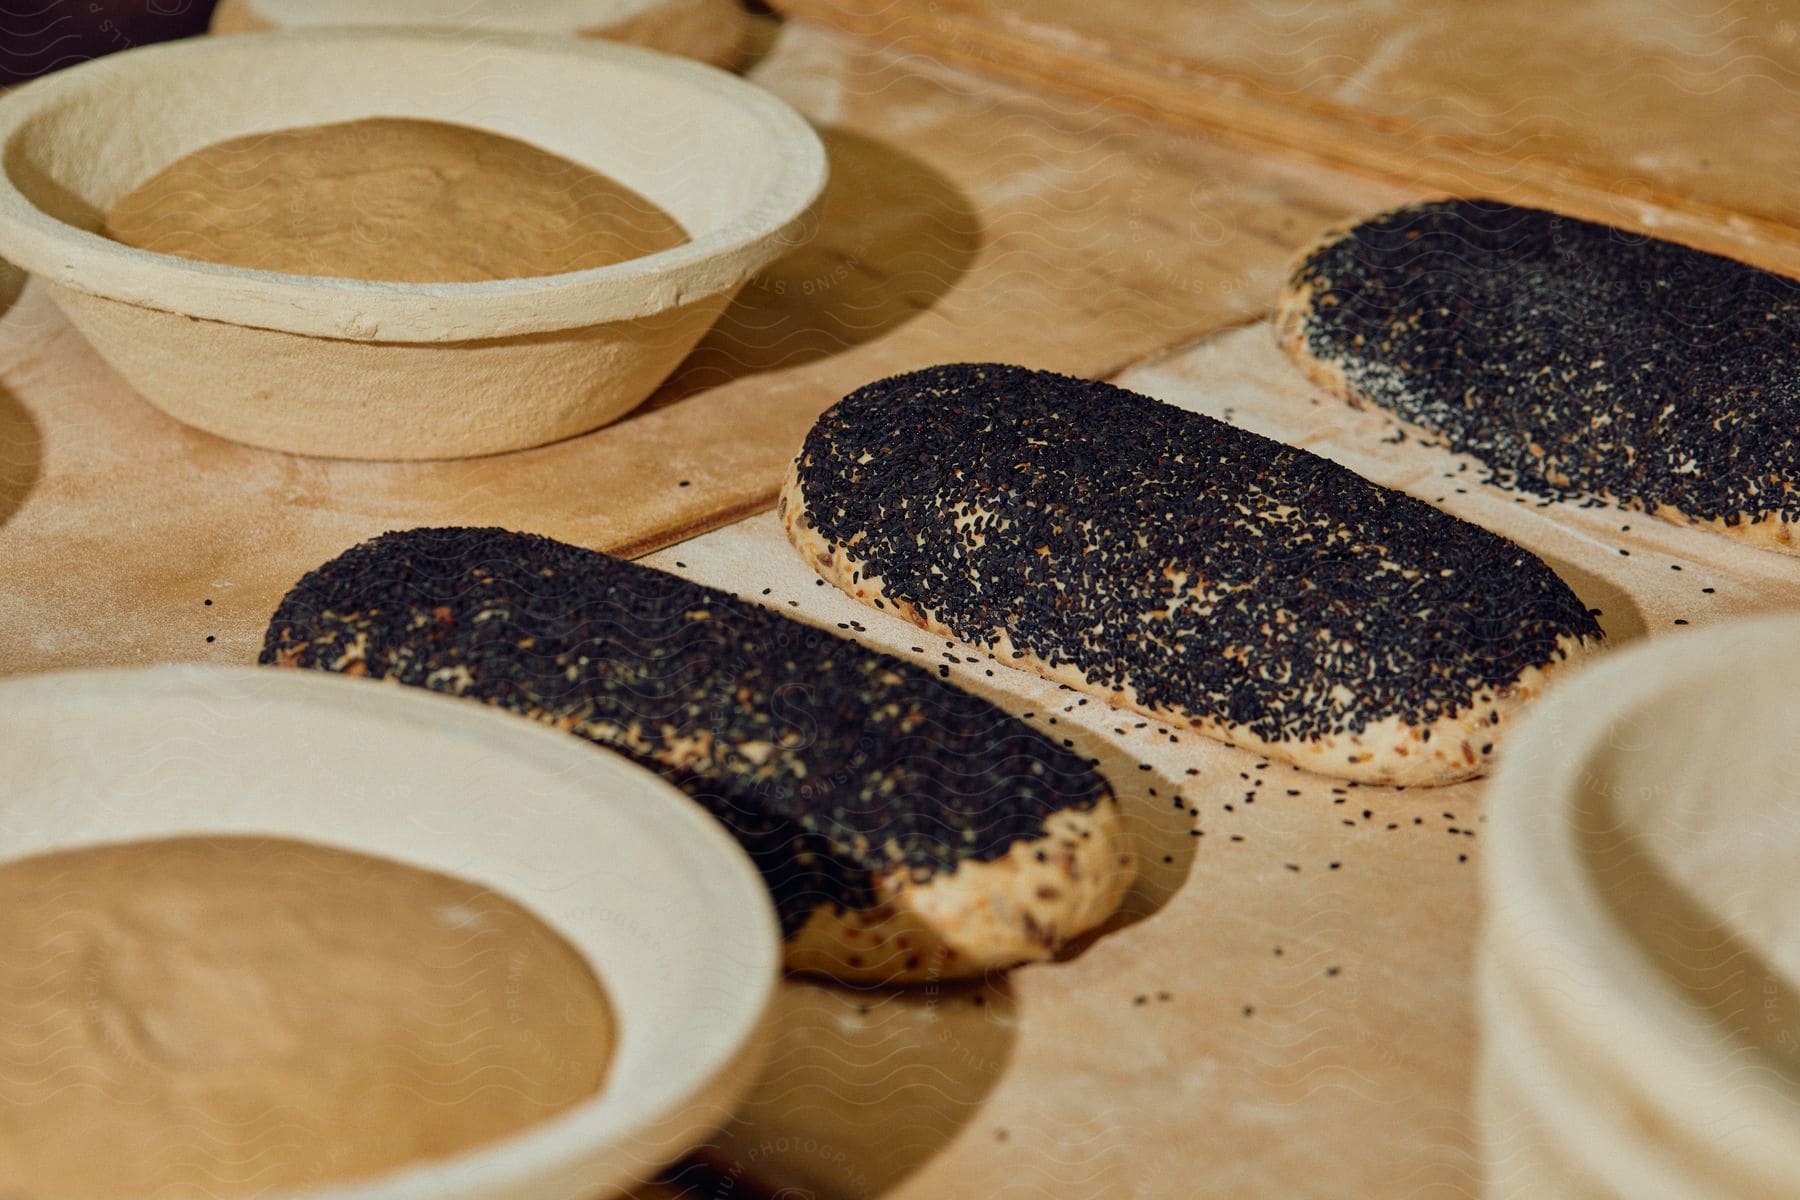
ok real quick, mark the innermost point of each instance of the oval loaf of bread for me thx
(907, 830)
(1179, 566)
(1575, 361)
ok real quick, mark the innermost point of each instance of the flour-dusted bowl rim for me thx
(539, 16)
(736, 166)
(664, 905)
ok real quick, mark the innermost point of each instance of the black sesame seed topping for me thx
(1218, 573)
(831, 762)
(1574, 360)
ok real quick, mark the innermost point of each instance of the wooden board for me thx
(968, 220)
(1679, 117)
(1283, 1016)
(964, 220)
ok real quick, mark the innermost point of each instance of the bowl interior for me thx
(1689, 821)
(664, 906)
(663, 127)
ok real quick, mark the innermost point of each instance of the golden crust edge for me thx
(982, 917)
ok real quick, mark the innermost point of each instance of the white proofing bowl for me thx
(712, 31)
(1639, 984)
(371, 369)
(664, 905)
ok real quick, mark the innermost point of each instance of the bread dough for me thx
(390, 199)
(200, 1017)
(1575, 361)
(1172, 564)
(907, 830)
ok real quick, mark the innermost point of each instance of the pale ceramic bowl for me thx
(357, 369)
(1639, 983)
(666, 907)
(712, 31)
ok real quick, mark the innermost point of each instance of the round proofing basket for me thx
(1639, 981)
(373, 369)
(665, 907)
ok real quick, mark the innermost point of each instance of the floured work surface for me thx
(1287, 1012)
(964, 219)
(1678, 117)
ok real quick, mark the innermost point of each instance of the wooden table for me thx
(1282, 1010)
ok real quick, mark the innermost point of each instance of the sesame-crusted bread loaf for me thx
(907, 830)
(1176, 565)
(1575, 360)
